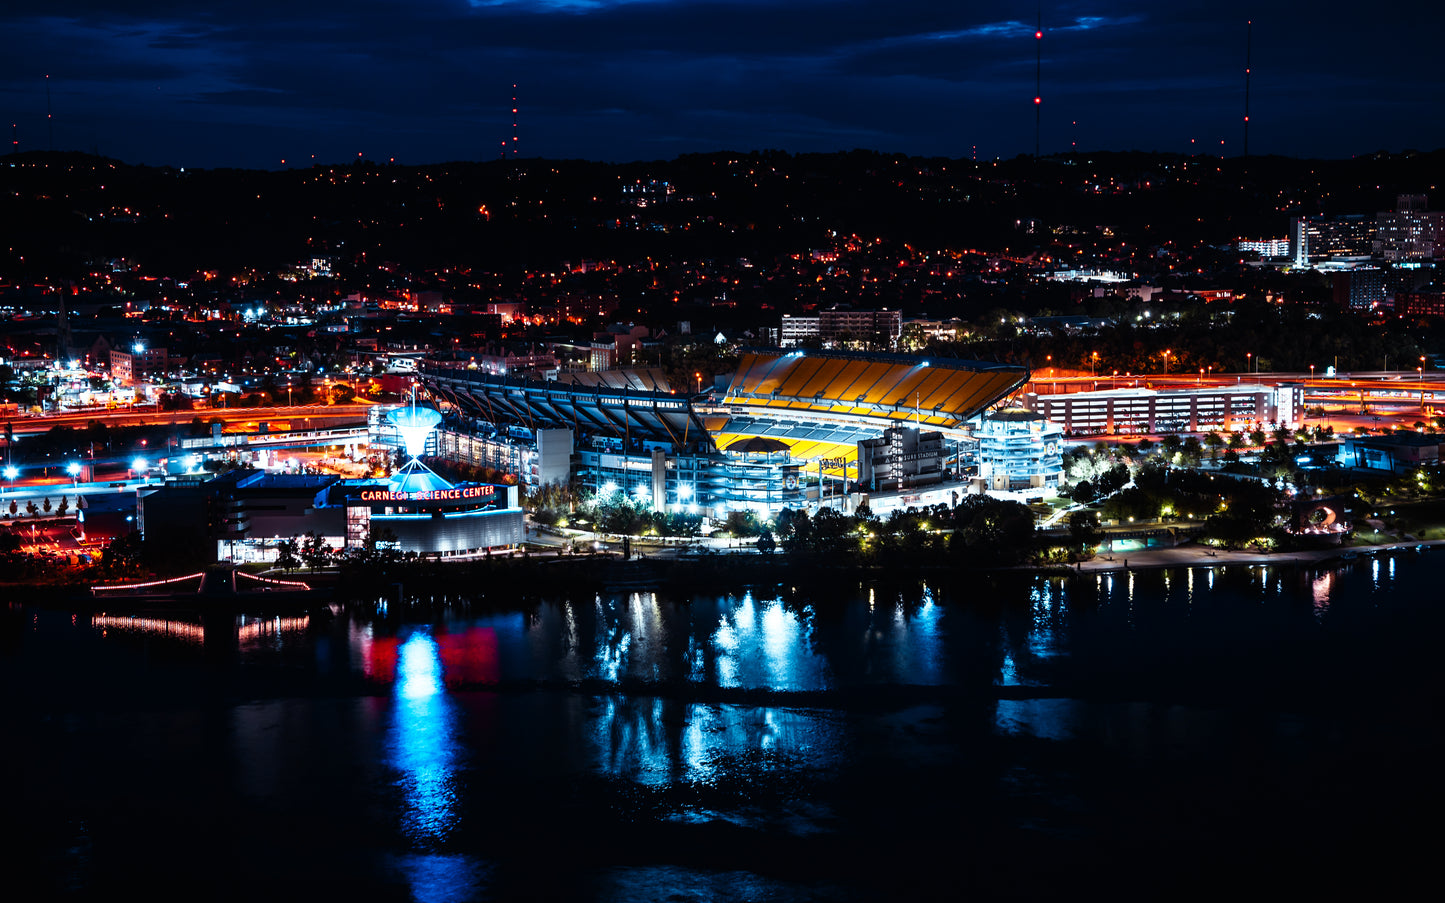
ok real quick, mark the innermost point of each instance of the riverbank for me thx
(505, 580)
(1194, 555)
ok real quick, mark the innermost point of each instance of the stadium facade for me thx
(786, 434)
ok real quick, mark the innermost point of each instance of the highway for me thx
(299, 416)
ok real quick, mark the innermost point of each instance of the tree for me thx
(314, 550)
(1084, 532)
(766, 543)
(742, 523)
(1214, 442)
(1192, 451)
(123, 555)
(286, 555)
(45, 505)
(992, 531)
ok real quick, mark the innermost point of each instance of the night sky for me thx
(229, 83)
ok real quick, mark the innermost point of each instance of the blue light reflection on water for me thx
(760, 644)
(656, 742)
(425, 748)
(422, 743)
(1199, 619)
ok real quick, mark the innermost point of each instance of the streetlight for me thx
(1166, 361)
(1312, 371)
(288, 395)
(74, 470)
(10, 474)
(1093, 361)
(698, 376)
(1249, 364)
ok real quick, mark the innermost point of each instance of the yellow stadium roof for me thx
(938, 393)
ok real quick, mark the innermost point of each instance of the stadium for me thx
(794, 429)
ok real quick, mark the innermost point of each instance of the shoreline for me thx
(738, 571)
(1202, 556)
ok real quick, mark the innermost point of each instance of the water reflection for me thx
(1047, 719)
(185, 631)
(763, 645)
(1320, 589)
(653, 741)
(423, 744)
(655, 727)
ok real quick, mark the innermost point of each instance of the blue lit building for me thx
(248, 514)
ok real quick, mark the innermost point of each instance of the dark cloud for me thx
(231, 83)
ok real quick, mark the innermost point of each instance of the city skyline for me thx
(257, 84)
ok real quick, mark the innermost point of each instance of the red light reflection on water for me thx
(467, 657)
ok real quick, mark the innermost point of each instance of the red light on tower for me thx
(1038, 100)
(1039, 35)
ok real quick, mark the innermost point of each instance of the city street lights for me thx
(1312, 371)
(10, 474)
(288, 395)
(1093, 362)
(1249, 361)
(74, 470)
(1166, 361)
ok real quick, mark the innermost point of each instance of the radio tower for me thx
(1248, 45)
(49, 117)
(1038, 78)
(514, 122)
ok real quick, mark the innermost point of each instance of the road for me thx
(300, 417)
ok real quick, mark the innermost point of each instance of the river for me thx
(1188, 732)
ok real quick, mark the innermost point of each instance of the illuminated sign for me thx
(464, 493)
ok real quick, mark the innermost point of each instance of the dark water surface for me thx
(1182, 733)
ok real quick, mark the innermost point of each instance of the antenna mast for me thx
(1248, 46)
(1038, 78)
(49, 117)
